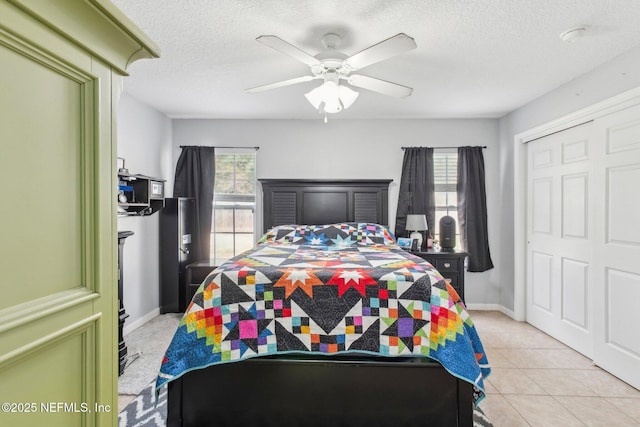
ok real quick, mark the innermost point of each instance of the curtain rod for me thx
(217, 146)
(404, 148)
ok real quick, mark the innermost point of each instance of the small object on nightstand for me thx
(429, 241)
(405, 243)
(416, 223)
(447, 233)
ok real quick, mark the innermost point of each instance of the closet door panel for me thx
(560, 240)
(617, 284)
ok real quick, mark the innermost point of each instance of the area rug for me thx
(141, 412)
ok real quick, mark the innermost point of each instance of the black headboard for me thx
(296, 201)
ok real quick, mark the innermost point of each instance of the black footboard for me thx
(319, 391)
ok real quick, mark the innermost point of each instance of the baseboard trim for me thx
(130, 327)
(491, 307)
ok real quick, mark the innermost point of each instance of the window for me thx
(234, 202)
(445, 174)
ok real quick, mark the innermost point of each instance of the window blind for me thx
(445, 170)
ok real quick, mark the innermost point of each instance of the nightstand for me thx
(196, 273)
(450, 264)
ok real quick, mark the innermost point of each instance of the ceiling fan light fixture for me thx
(331, 97)
(333, 66)
(347, 96)
(316, 96)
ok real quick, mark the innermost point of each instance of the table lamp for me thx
(416, 223)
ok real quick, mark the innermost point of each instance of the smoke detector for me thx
(573, 34)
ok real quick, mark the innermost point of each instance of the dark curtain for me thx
(195, 177)
(416, 188)
(472, 208)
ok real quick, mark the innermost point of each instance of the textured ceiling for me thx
(475, 58)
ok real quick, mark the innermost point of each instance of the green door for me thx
(58, 252)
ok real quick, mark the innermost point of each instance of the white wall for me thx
(615, 77)
(351, 149)
(144, 141)
(357, 149)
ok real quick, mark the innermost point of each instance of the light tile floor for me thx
(538, 381)
(535, 380)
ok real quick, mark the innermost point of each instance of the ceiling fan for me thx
(333, 66)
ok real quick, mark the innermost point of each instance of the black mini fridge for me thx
(177, 220)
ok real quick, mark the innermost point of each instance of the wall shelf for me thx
(139, 195)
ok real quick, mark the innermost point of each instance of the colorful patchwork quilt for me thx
(339, 288)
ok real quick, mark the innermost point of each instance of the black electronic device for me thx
(447, 233)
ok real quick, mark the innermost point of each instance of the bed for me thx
(324, 325)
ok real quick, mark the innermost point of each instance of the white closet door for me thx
(560, 238)
(617, 282)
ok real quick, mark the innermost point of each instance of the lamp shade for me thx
(347, 96)
(416, 222)
(331, 97)
(317, 96)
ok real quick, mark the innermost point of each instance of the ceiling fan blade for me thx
(380, 86)
(288, 49)
(281, 84)
(392, 46)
